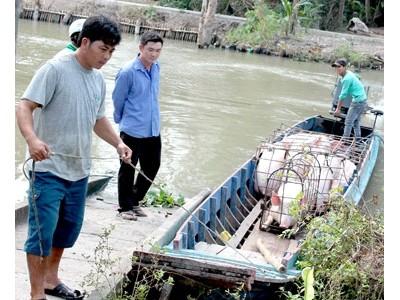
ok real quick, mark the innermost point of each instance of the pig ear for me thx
(275, 199)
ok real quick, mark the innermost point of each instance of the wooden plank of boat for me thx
(245, 226)
(279, 252)
(218, 272)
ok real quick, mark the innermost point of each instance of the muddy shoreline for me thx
(363, 52)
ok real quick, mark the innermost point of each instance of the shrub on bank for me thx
(345, 249)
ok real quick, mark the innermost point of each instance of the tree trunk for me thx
(207, 23)
(341, 12)
(367, 12)
(37, 7)
(16, 20)
(377, 11)
(293, 17)
(201, 23)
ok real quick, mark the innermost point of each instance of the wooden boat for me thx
(224, 242)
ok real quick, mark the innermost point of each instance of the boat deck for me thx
(124, 238)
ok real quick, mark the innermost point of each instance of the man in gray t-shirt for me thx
(61, 107)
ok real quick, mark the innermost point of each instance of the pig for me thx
(280, 205)
(343, 172)
(325, 181)
(269, 162)
(304, 141)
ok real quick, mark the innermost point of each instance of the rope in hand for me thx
(34, 197)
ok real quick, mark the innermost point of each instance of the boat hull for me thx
(221, 237)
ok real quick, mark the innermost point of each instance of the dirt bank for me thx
(306, 45)
(324, 46)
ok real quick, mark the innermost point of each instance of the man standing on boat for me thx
(351, 85)
(63, 104)
(73, 31)
(137, 111)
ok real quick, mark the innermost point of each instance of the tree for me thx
(16, 19)
(342, 4)
(367, 11)
(207, 23)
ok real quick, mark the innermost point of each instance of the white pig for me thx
(306, 141)
(270, 161)
(342, 171)
(326, 177)
(281, 202)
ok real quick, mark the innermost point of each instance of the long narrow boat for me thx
(224, 241)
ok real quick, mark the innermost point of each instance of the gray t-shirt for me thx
(72, 99)
(63, 52)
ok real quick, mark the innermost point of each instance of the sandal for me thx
(64, 292)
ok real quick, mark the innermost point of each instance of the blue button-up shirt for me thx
(135, 98)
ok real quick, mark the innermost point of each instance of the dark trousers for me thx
(148, 152)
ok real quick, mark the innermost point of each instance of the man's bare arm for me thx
(105, 131)
(24, 114)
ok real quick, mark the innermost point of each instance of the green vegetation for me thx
(160, 197)
(147, 279)
(355, 58)
(104, 273)
(276, 30)
(227, 7)
(150, 13)
(320, 14)
(182, 4)
(291, 13)
(265, 24)
(140, 283)
(345, 249)
(103, 263)
(262, 25)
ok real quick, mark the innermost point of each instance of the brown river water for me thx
(216, 106)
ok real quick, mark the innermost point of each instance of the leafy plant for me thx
(310, 14)
(345, 248)
(182, 4)
(103, 264)
(262, 25)
(160, 197)
(104, 270)
(291, 13)
(150, 13)
(237, 293)
(354, 57)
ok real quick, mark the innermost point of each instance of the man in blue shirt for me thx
(352, 86)
(137, 111)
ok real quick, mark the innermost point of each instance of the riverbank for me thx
(307, 45)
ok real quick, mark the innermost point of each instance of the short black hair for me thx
(150, 36)
(100, 28)
(75, 38)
